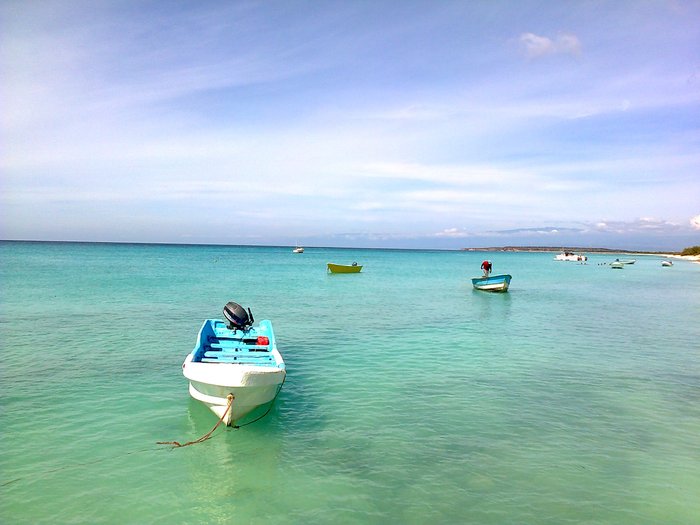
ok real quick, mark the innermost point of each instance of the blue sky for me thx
(409, 124)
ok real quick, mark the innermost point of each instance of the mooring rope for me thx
(206, 436)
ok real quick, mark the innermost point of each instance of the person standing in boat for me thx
(487, 267)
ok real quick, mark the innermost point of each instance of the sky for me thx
(389, 124)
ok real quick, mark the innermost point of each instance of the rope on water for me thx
(206, 436)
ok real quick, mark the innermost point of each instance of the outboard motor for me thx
(237, 318)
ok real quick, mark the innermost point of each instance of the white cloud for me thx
(535, 46)
(648, 225)
(453, 233)
(464, 174)
(514, 234)
(417, 112)
(566, 43)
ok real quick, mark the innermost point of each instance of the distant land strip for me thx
(561, 249)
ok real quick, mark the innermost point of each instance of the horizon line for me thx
(506, 248)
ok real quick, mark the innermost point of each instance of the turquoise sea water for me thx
(410, 397)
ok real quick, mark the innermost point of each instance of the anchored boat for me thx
(344, 268)
(618, 264)
(493, 283)
(235, 367)
(571, 256)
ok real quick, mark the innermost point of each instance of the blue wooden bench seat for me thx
(232, 345)
(239, 348)
(218, 357)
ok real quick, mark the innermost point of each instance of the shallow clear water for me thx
(410, 397)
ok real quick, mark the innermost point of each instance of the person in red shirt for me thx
(487, 267)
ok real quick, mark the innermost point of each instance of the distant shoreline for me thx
(560, 249)
(523, 249)
(545, 249)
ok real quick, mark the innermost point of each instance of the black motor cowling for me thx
(236, 316)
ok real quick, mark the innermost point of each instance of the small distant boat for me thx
(621, 262)
(617, 265)
(298, 249)
(493, 283)
(344, 268)
(571, 256)
(234, 358)
(666, 263)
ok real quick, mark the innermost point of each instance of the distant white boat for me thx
(298, 249)
(617, 265)
(666, 263)
(571, 256)
(621, 262)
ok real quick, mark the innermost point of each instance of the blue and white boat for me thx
(235, 367)
(493, 283)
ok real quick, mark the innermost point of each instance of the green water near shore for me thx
(410, 397)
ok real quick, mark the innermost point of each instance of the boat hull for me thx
(245, 398)
(344, 268)
(211, 383)
(494, 283)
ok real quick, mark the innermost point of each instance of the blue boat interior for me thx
(218, 344)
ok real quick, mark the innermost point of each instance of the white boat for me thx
(617, 265)
(666, 263)
(298, 249)
(235, 367)
(571, 256)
